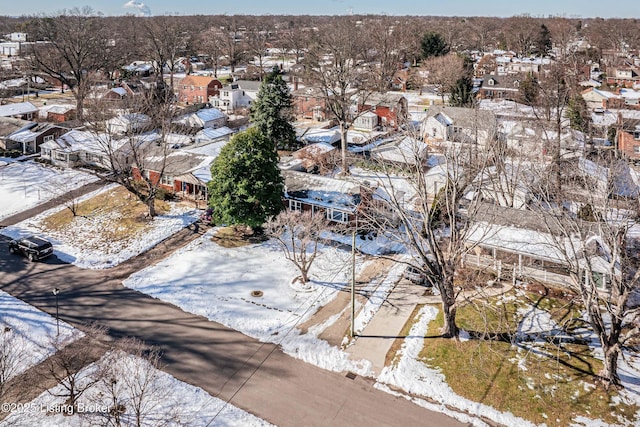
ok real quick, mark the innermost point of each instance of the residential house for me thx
(366, 121)
(500, 87)
(336, 199)
(57, 113)
(626, 77)
(29, 140)
(79, 148)
(391, 109)
(128, 123)
(406, 151)
(178, 170)
(534, 246)
(596, 98)
(317, 157)
(198, 89)
(204, 118)
(20, 110)
(310, 103)
(456, 124)
(211, 135)
(239, 94)
(628, 138)
(9, 126)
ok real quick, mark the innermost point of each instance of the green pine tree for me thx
(272, 111)
(246, 185)
(433, 44)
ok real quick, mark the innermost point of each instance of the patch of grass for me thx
(228, 237)
(544, 383)
(121, 214)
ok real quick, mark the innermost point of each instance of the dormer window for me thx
(516, 83)
(491, 82)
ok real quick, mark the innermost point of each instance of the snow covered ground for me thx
(215, 282)
(24, 185)
(27, 335)
(167, 401)
(86, 249)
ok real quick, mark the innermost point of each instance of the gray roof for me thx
(9, 125)
(464, 117)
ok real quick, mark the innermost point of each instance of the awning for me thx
(189, 178)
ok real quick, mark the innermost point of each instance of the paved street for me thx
(254, 376)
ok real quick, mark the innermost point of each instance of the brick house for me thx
(629, 139)
(198, 89)
(391, 109)
(310, 103)
(29, 140)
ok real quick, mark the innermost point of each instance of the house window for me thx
(636, 149)
(167, 180)
(636, 135)
(457, 129)
(61, 156)
(47, 138)
(295, 205)
(337, 216)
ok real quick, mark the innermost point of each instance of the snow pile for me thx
(28, 184)
(28, 335)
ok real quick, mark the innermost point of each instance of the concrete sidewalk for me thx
(378, 336)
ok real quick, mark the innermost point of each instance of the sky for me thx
(537, 8)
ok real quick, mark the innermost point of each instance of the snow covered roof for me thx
(208, 114)
(19, 109)
(407, 150)
(322, 191)
(76, 140)
(217, 133)
(211, 150)
(328, 136)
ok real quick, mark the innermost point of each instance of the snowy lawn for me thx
(24, 185)
(523, 382)
(108, 233)
(27, 335)
(166, 401)
(217, 283)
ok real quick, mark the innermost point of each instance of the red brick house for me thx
(626, 77)
(628, 139)
(198, 89)
(310, 103)
(391, 109)
(60, 113)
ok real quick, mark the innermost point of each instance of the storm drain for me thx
(351, 375)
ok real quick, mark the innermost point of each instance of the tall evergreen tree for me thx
(272, 111)
(462, 93)
(246, 185)
(433, 44)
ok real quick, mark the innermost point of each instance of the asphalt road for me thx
(251, 375)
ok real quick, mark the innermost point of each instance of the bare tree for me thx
(66, 364)
(256, 41)
(232, 44)
(298, 234)
(130, 374)
(335, 64)
(431, 220)
(595, 244)
(211, 44)
(136, 158)
(167, 40)
(11, 354)
(69, 47)
(444, 71)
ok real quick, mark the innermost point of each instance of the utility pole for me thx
(56, 291)
(353, 283)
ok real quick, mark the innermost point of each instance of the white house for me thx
(236, 95)
(205, 118)
(127, 123)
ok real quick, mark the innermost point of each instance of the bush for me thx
(163, 194)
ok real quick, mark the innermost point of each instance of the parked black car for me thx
(32, 247)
